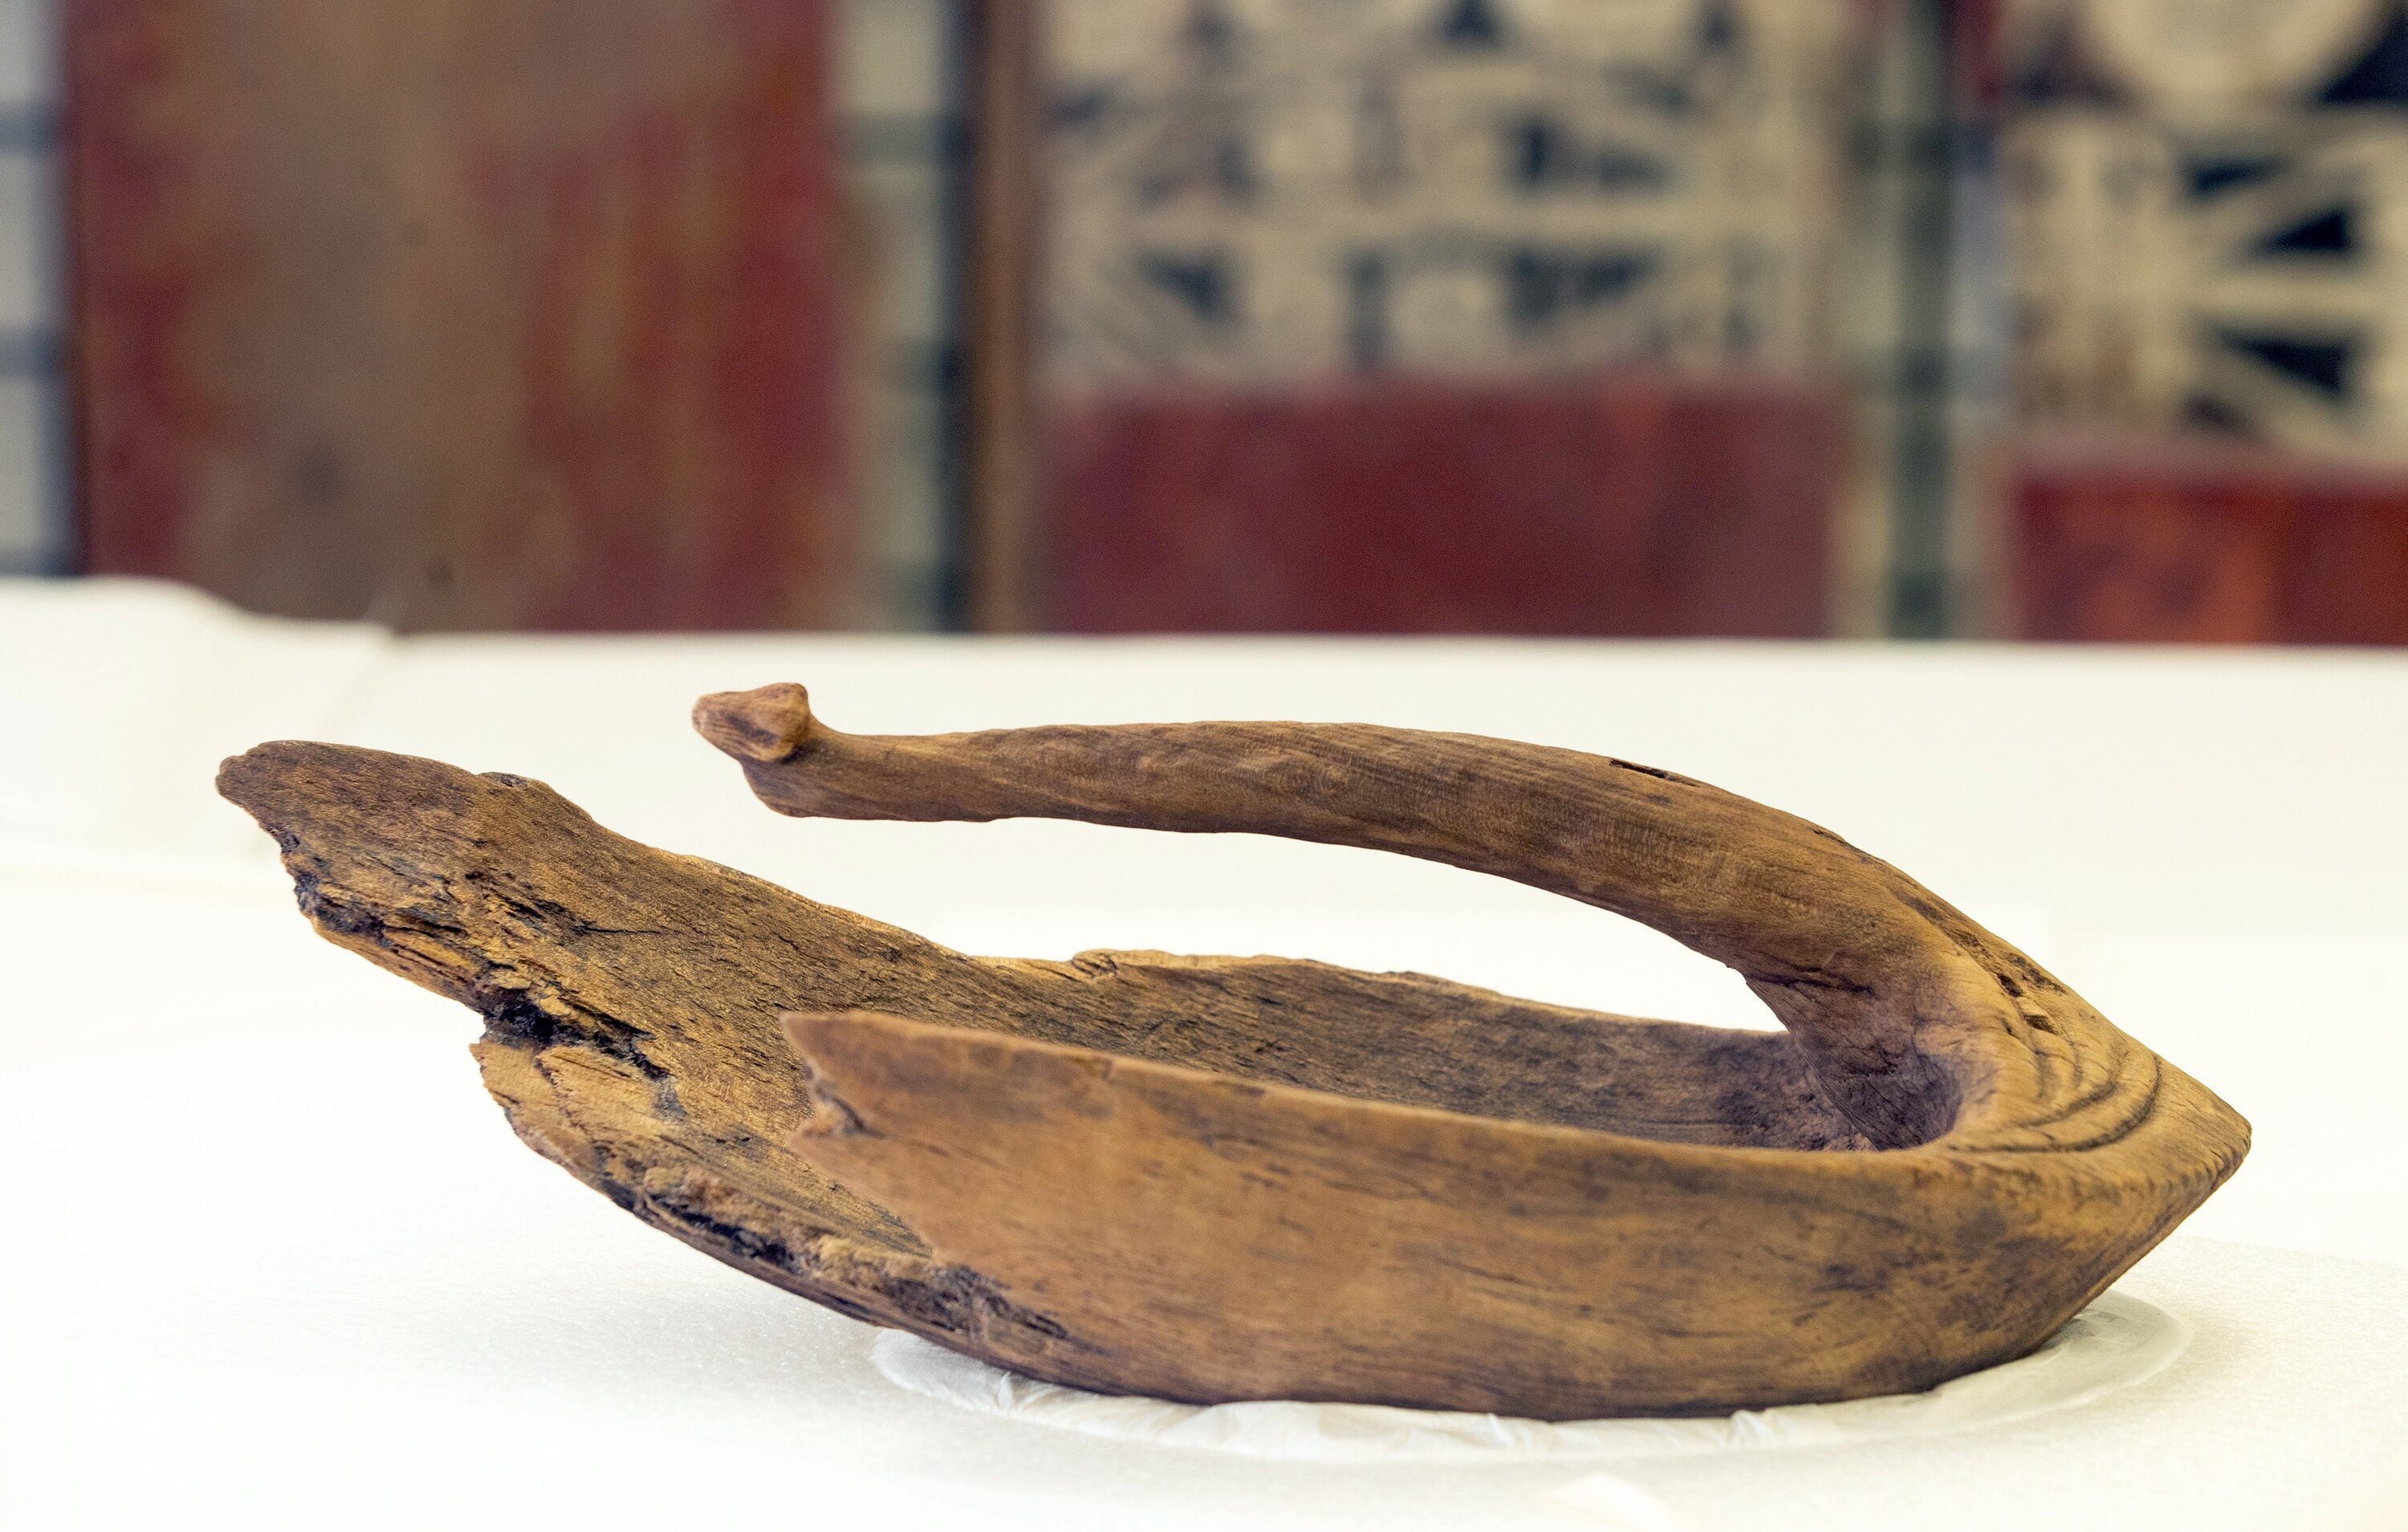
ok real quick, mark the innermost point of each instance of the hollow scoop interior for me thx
(1425, 1041)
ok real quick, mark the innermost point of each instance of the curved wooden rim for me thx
(1926, 1030)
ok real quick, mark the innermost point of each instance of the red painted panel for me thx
(2347, 578)
(2210, 548)
(1614, 506)
(464, 313)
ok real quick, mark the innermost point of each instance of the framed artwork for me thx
(2207, 218)
(1428, 315)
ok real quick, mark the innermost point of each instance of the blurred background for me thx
(2047, 318)
(782, 321)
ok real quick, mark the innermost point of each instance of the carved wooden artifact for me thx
(1218, 1179)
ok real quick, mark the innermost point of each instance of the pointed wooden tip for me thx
(765, 724)
(306, 789)
(267, 777)
(867, 1070)
(815, 1037)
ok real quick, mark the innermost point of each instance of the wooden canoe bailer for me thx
(1213, 1178)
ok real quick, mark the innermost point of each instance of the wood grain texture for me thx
(1243, 1178)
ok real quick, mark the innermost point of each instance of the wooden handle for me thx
(1910, 1013)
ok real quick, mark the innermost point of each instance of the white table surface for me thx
(277, 1261)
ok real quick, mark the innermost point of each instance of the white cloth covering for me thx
(275, 1261)
(2115, 1343)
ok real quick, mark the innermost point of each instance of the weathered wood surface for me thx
(1239, 1177)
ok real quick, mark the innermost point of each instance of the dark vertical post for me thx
(1922, 604)
(1000, 585)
